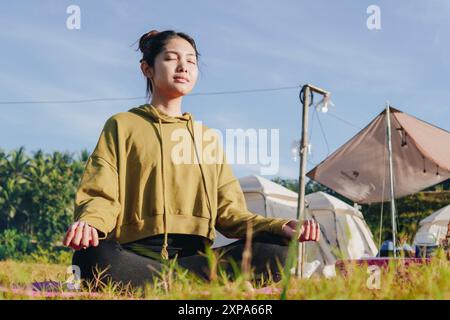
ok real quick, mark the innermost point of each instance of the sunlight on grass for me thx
(430, 281)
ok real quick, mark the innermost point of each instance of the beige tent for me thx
(433, 228)
(344, 231)
(359, 169)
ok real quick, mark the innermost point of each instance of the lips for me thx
(181, 79)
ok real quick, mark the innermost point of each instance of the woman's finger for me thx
(70, 233)
(301, 232)
(292, 224)
(313, 231)
(318, 231)
(78, 234)
(85, 240)
(307, 232)
(94, 237)
(310, 225)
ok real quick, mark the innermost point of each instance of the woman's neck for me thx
(171, 107)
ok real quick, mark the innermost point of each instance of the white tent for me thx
(433, 228)
(344, 231)
(345, 234)
(266, 198)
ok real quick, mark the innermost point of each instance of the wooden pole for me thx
(302, 176)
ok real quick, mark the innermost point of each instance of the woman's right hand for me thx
(81, 235)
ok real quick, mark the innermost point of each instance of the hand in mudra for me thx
(81, 235)
(309, 231)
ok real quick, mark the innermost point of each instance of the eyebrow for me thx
(172, 51)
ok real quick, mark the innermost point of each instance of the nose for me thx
(182, 66)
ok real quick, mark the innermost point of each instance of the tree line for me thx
(36, 198)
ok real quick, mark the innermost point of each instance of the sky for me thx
(243, 45)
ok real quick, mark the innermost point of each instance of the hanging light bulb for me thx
(324, 104)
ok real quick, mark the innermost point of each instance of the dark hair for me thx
(153, 42)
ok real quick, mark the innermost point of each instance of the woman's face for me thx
(175, 71)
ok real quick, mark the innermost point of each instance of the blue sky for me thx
(243, 45)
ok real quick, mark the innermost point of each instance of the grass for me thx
(430, 281)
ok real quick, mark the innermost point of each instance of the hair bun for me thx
(145, 40)
(152, 33)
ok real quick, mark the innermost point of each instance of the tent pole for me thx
(299, 270)
(391, 176)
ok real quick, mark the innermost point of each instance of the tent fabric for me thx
(255, 183)
(433, 228)
(266, 198)
(345, 234)
(359, 170)
(442, 216)
(324, 201)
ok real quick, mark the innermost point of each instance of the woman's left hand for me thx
(309, 231)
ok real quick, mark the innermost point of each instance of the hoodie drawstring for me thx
(190, 126)
(164, 252)
(211, 222)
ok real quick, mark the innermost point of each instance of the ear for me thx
(146, 70)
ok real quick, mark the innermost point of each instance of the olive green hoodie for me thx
(132, 188)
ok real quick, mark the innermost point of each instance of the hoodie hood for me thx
(150, 111)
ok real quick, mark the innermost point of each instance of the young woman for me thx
(136, 207)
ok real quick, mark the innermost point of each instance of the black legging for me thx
(125, 266)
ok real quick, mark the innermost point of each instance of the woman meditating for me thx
(138, 206)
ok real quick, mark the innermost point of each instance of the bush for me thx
(55, 255)
(14, 245)
(36, 202)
